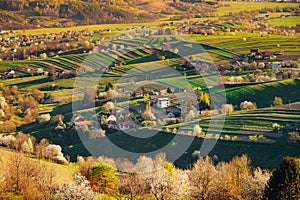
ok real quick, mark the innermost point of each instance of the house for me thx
(11, 74)
(170, 115)
(253, 52)
(153, 99)
(126, 125)
(39, 71)
(77, 118)
(178, 90)
(79, 121)
(163, 102)
(275, 66)
(112, 121)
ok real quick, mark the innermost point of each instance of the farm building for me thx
(170, 115)
(163, 102)
(112, 121)
(127, 125)
(79, 121)
(11, 74)
(275, 66)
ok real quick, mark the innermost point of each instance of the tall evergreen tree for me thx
(285, 181)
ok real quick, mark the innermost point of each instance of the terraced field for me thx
(131, 54)
(243, 132)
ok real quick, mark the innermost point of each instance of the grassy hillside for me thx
(263, 94)
(290, 21)
(235, 7)
(63, 173)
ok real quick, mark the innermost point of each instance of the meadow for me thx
(235, 7)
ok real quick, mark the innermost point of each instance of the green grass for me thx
(289, 21)
(253, 40)
(235, 7)
(263, 94)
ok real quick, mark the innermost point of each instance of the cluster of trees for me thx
(27, 144)
(34, 180)
(153, 179)
(26, 177)
(85, 12)
(14, 103)
(248, 105)
(157, 178)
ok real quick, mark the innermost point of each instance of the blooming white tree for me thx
(78, 189)
(248, 105)
(54, 152)
(227, 108)
(8, 140)
(197, 130)
(254, 185)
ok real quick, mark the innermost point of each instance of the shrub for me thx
(44, 118)
(227, 108)
(104, 178)
(234, 138)
(8, 127)
(277, 101)
(227, 137)
(197, 130)
(248, 105)
(53, 152)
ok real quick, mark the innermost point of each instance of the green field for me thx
(289, 21)
(235, 7)
(288, 90)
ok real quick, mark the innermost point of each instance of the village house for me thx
(11, 74)
(275, 66)
(112, 121)
(78, 121)
(170, 115)
(126, 125)
(255, 54)
(163, 102)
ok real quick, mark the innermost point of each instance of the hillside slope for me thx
(63, 173)
(288, 90)
(34, 13)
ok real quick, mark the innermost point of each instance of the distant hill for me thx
(19, 14)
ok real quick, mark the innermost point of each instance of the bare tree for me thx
(202, 179)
